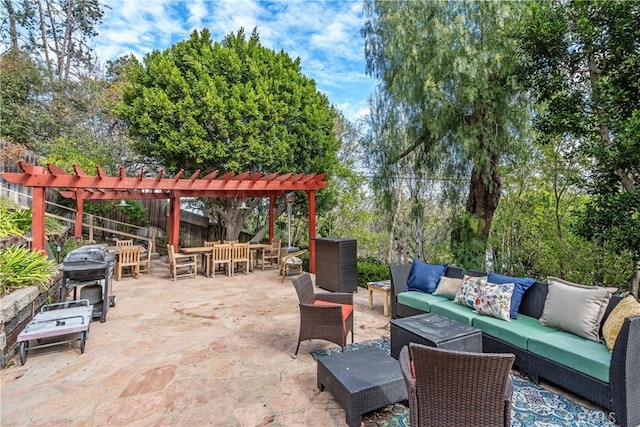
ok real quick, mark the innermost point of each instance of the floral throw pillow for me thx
(468, 292)
(494, 299)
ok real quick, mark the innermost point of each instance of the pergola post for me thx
(77, 231)
(37, 219)
(312, 231)
(272, 214)
(174, 222)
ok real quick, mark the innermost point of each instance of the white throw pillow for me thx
(575, 308)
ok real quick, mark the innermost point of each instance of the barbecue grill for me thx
(89, 265)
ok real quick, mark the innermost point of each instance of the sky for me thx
(325, 35)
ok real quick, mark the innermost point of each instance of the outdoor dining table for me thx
(115, 249)
(253, 249)
(198, 250)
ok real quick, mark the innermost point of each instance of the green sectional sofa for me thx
(584, 367)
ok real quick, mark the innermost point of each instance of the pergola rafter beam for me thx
(211, 176)
(128, 183)
(136, 195)
(78, 171)
(55, 170)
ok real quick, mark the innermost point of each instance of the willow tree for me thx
(448, 70)
(233, 105)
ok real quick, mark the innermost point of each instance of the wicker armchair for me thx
(453, 388)
(324, 316)
(291, 262)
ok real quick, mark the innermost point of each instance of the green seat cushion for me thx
(419, 300)
(450, 309)
(516, 332)
(583, 355)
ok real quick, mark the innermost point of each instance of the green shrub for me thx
(15, 221)
(21, 267)
(371, 270)
(8, 225)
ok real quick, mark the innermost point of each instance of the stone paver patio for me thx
(192, 352)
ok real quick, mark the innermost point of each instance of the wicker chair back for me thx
(304, 288)
(448, 388)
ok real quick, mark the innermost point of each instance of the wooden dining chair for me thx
(220, 255)
(272, 254)
(120, 243)
(145, 259)
(128, 257)
(207, 255)
(177, 262)
(240, 255)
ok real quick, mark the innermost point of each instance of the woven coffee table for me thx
(361, 381)
(435, 331)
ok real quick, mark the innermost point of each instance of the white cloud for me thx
(197, 12)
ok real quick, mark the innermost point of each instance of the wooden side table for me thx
(384, 287)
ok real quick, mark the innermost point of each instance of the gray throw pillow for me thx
(575, 308)
(448, 287)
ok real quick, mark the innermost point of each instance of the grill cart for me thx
(90, 268)
(63, 320)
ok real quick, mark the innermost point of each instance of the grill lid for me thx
(90, 256)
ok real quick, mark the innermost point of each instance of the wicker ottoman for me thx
(435, 331)
(361, 381)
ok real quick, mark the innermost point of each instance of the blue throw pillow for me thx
(424, 277)
(521, 285)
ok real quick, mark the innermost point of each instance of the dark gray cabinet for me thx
(336, 264)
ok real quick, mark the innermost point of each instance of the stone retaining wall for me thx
(18, 308)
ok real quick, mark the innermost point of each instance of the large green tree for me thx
(233, 105)
(581, 60)
(24, 116)
(448, 70)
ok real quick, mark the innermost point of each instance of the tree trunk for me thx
(265, 228)
(394, 225)
(64, 61)
(13, 33)
(43, 36)
(54, 33)
(484, 198)
(469, 235)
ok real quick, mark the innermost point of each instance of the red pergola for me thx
(81, 187)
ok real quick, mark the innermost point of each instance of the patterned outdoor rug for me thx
(532, 405)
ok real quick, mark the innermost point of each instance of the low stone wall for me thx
(18, 308)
